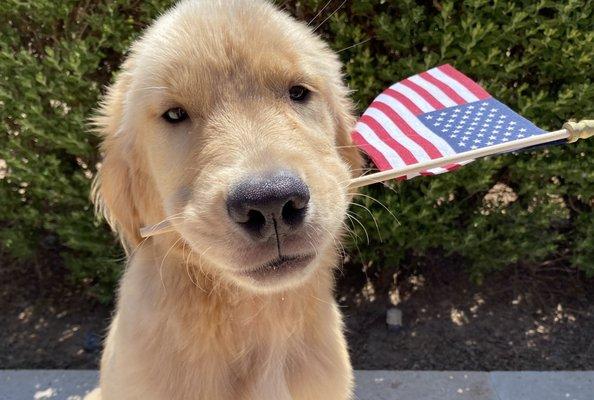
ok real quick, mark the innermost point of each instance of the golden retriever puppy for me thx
(230, 119)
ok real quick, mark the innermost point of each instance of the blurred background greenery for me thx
(525, 210)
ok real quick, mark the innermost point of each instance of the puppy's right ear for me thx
(116, 186)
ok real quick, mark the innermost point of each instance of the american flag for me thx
(435, 114)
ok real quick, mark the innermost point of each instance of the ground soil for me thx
(522, 319)
(47, 322)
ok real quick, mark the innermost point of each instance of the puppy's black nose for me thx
(268, 204)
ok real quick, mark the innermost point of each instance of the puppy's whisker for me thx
(344, 183)
(163, 263)
(177, 215)
(320, 300)
(390, 188)
(310, 241)
(202, 254)
(378, 202)
(319, 12)
(187, 259)
(355, 242)
(189, 273)
(354, 45)
(149, 89)
(201, 267)
(352, 234)
(330, 16)
(367, 169)
(372, 216)
(171, 217)
(348, 180)
(352, 217)
(317, 230)
(338, 246)
(138, 246)
(337, 243)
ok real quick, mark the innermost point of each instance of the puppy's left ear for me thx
(345, 122)
(120, 187)
(343, 112)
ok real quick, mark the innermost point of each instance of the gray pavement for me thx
(371, 385)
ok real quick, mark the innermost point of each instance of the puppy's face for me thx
(233, 119)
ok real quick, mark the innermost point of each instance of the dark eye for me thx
(298, 93)
(175, 115)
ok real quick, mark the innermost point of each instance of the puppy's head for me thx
(231, 119)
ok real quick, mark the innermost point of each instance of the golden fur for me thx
(189, 324)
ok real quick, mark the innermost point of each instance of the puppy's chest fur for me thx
(212, 341)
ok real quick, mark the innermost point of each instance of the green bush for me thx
(55, 58)
(536, 56)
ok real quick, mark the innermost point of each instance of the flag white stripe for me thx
(371, 137)
(465, 162)
(433, 90)
(417, 125)
(438, 170)
(397, 134)
(456, 86)
(413, 96)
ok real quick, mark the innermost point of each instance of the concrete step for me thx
(371, 385)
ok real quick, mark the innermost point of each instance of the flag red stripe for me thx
(474, 87)
(424, 94)
(452, 167)
(425, 144)
(379, 130)
(444, 88)
(404, 100)
(376, 156)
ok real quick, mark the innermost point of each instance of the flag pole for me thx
(572, 131)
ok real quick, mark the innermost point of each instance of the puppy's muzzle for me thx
(273, 203)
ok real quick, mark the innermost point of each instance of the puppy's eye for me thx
(175, 115)
(298, 93)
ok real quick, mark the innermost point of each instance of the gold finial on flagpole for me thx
(579, 130)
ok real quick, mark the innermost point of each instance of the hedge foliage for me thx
(536, 56)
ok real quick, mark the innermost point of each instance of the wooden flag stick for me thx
(572, 131)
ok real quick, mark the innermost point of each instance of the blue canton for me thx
(478, 124)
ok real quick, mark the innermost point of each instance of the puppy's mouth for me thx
(279, 267)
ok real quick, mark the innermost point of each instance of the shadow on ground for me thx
(522, 319)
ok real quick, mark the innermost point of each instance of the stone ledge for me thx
(371, 385)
